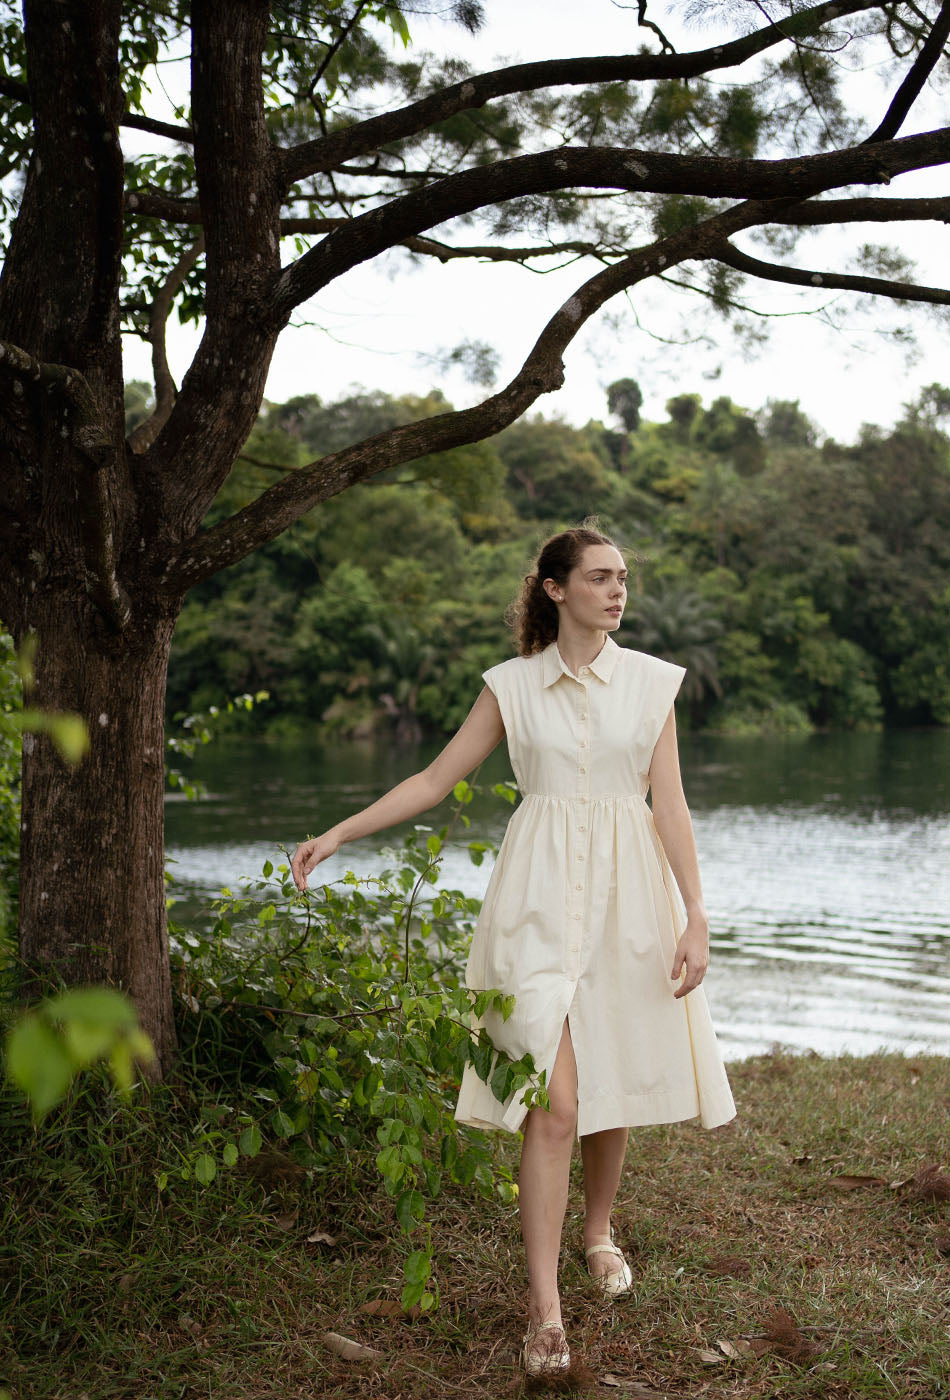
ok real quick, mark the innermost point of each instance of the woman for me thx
(580, 920)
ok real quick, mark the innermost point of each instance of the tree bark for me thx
(92, 894)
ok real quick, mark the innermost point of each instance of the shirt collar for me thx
(553, 665)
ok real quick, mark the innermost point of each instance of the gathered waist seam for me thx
(587, 798)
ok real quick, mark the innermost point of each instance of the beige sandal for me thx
(614, 1281)
(541, 1363)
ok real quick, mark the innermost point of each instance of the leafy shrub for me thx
(339, 1018)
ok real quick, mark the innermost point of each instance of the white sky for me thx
(374, 327)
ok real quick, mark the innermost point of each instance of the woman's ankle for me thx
(596, 1232)
(544, 1309)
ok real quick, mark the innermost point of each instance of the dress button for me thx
(582, 828)
(583, 716)
(578, 886)
(580, 855)
(583, 743)
(582, 770)
(575, 916)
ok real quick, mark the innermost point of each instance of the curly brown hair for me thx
(532, 616)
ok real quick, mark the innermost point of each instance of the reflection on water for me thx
(826, 866)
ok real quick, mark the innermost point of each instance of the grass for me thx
(762, 1267)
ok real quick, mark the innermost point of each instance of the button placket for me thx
(578, 893)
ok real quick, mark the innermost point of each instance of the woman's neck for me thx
(579, 648)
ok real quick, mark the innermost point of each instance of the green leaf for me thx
(412, 1294)
(282, 1124)
(434, 844)
(482, 1002)
(501, 1079)
(229, 1154)
(390, 1164)
(205, 1168)
(410, 1208)
(267, 869)
(38, 1063)
(461, 790)
(250, 1141)
(418, 1267)
(99, 1005)
(482, 1056)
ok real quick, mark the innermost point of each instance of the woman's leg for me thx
(602, 1155)
(542, 1188)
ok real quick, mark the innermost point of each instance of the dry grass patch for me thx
(799, 1252)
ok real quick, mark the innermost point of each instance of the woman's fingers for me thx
(301, 865)
(695, 961)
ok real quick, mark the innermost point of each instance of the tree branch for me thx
(918, 73)
(154, 205)
(9, 87)
(372, 233)
(145, 434)
(445, 252)
(240, 212)
(864, 210)
(542, 372)
(836, 281)
(363, 138)
(95, 452)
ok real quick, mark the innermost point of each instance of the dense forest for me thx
(803, 583)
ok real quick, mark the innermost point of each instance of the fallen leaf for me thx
(388, 1307)
(931, 1184)
(274, 1168)
(634, 1388)
(785, 1337)
(347, 1348)
(710, 1356)
(803, 1160)
(744, 1347)
(725, 1264)
(321, 1237)
(287, 1221)
(854, 1183)
(728, 1349)
(942, 1241)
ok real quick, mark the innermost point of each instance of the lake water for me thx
(825, 863)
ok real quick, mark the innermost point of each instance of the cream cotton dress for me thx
(582, 916)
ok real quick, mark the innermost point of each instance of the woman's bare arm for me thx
(675, 829)
(481, 731)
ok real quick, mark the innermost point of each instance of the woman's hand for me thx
(692, 954)
(309, 854)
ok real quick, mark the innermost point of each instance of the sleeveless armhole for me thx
(665, 681)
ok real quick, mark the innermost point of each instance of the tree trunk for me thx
(92, 896)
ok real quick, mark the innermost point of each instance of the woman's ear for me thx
(553, 590)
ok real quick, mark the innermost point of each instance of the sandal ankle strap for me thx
(603, 1249)
(532, 1332)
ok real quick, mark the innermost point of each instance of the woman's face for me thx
(596, 589)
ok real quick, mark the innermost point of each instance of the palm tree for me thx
(679, 625)
(402, 660)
